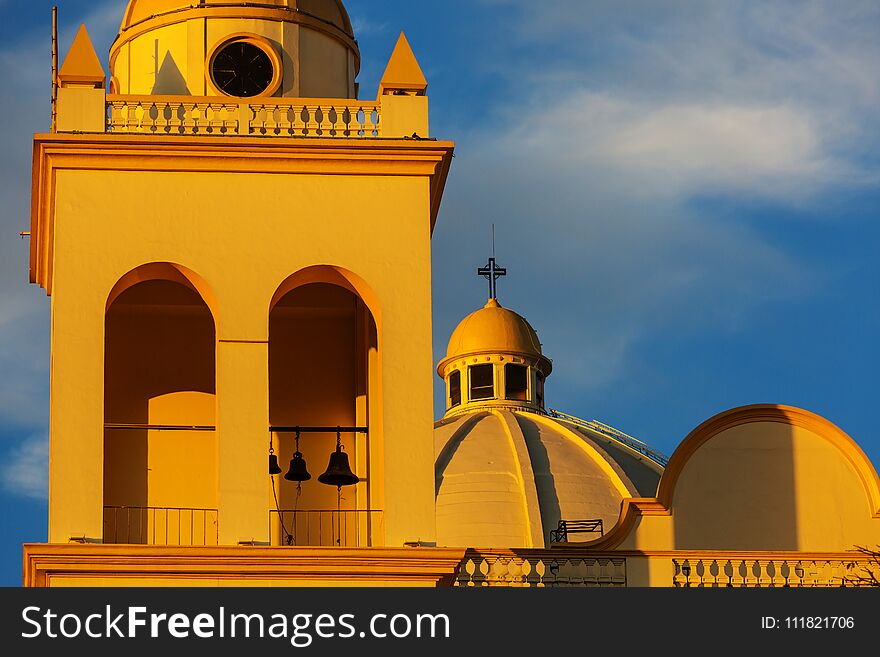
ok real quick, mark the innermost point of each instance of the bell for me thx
(297, 471)
(338, 471)
(274, 468)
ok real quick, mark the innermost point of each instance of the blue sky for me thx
(686, 197)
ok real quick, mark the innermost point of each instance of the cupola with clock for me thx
(285, 48)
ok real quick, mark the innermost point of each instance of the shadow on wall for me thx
(738, 492)
(771, 478)
(452, 447)
(169, 79)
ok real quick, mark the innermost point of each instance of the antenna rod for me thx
(54, 68)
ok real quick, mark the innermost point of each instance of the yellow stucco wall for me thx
(771, 486)
(776, 482)
(243, 234)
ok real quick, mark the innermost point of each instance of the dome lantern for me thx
(494, 358)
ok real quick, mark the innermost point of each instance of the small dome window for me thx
(539, 389)
(455, 389)
(516, 382)
(245, 66)
(482, 382)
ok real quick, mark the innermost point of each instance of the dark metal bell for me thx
(274, 468)
(338, 470)
(297, 471)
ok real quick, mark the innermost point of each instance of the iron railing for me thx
(615, 434)
(330, 528)
(160, 525)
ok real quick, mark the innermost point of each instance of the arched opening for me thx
(323, 346)
(160, 447)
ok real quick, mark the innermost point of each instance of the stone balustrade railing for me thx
(539, 568)
(219, 116)
(773, 572)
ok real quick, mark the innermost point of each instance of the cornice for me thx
(178, 153)
(432, 566)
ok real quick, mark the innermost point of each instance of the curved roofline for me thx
(523, 460)
(789, 415)
(346, 19)
(634, 508)
(496, 315)
(235, 10)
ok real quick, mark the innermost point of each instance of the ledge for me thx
(280, 566)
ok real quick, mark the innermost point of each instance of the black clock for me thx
(242, 69)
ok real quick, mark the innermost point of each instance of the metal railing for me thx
(184, 115)
(329, 528)
(160, 525)
(538, 568)
(615, 434)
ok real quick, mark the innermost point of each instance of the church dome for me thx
(494, 358)
(331, 12)
(494, 329)
(506, 470)
(504, 478)
(274, 48)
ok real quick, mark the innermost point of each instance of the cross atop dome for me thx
(492, 272)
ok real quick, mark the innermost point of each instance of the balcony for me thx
(315, 528)
(176, 115)
(160, 526)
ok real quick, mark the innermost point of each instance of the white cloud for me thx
(812, 59)
(680, 149)
(619, 116)
(24, 471)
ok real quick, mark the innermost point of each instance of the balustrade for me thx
(265, 118)
(793, 573)
(539, 568)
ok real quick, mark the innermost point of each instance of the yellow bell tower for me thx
(220, 227)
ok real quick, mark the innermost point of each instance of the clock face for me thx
(242, 69)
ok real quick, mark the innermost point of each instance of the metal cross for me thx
(492, 272)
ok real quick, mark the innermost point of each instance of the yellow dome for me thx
(168, 47)
(494, 329)
(505, 478)
(329, 11)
